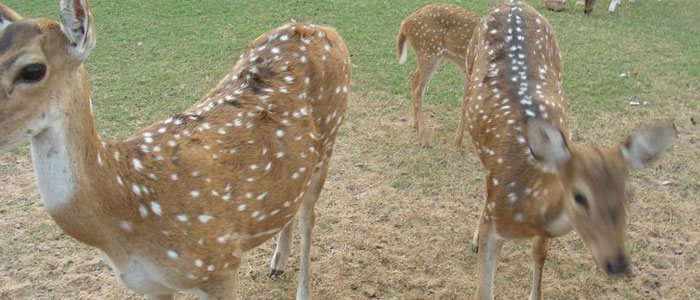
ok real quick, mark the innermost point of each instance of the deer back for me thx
(515, 76)
(439, 28)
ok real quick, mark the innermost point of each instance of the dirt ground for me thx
(395, 222)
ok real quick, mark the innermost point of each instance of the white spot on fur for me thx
(156, 209)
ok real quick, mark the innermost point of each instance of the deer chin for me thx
(11, 136)
(613, 264)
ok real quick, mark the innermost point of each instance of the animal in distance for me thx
(437, 33)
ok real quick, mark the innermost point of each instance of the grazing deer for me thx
(436, 32)
(537, 184)
(174, 207)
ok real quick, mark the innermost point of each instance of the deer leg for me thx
(426, 69)
(489, 249)
(307, 218)
(539, 255)
(415, 79)
(284, 247)
(475, 239)
(459, 135)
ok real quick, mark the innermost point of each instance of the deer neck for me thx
(551, 209)
(66, 165)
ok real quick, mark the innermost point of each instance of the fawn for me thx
(436, 32)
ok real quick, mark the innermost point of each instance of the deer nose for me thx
(617, 265)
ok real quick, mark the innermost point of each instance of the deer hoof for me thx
(275, 273)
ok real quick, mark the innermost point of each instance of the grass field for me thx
(395, 221)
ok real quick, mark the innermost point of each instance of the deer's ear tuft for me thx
(646, 144)
(547, 144)
(78, 27)
(7, 16)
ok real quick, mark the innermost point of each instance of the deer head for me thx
(596, 187)
(37, 59)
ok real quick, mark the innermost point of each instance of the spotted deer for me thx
(175, 207)
(538, 185)
(436, 32)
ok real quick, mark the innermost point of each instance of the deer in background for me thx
(436, 32)
(175, 207)
(588, 8)
(538, 186)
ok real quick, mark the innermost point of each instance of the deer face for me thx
(595, 185)
(595, 202)
(40, 65)
(23, 83)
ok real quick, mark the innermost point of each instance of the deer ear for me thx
(7, 16)
(78, 27)
(646, 144)
(547, 144)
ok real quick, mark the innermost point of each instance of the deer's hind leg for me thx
(282, 251)
(462, 67)
(419, 82)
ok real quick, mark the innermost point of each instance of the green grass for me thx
(157, 57)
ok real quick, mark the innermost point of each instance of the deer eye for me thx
(32, 73)
(581, 200)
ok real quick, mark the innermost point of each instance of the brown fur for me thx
(436, 32)
(515, 85)
(218, 150)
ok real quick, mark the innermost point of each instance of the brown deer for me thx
(436, 32)
(175, 207)
(538, 185)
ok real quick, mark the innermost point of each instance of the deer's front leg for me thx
(489, 249)
(539, 255)
(307, 218)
